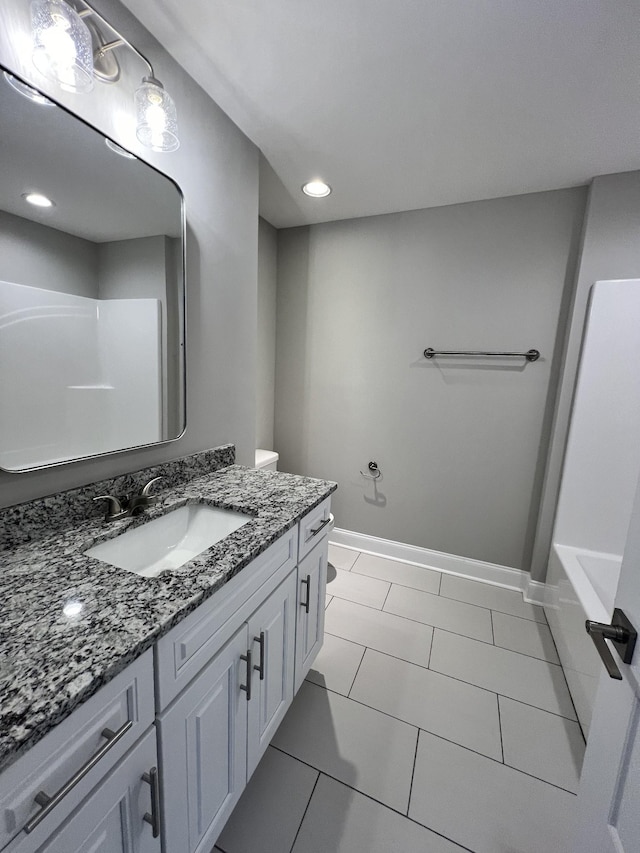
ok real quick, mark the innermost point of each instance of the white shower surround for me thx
(93, 365)
(600, 477)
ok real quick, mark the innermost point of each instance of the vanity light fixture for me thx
(38, 199)
(316, 188)
(156, 121)
(27, 91)
(62, 47)
(74, 52)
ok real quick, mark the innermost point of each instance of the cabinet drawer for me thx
(114, 816)
(124, 706)
(313, 526)
(187, 648)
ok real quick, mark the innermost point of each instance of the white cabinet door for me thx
(112, 818)
(203, 747)
(272, 634)
(312, 585)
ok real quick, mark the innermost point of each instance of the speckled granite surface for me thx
(51, 662)
(38, 519)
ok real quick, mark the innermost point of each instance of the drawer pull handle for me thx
(260, 667)
(305, 604)
(247, 687)
(151, 778)
(314, 531)
(48, 803)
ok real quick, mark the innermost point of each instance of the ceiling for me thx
(405, 104)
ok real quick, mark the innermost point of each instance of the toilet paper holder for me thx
(375, 474)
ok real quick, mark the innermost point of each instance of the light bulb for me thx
(62, 47)
(157, 124)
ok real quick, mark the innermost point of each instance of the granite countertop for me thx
(51, 662)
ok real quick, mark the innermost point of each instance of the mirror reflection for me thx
(91, 291)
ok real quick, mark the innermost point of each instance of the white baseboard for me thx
(534, 592)
(491, 573)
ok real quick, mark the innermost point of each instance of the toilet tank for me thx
(267, 460)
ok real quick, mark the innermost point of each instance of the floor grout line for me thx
(500, 727)
(484, 643)
(406, 723)
(493, 633)
(304, 814)
(497, 609)
(370, 797)
(455, 678)
(446, 630)
(357, 671)
(413, 771)
(404, 585)
(417, 622)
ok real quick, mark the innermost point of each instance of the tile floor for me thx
(436, 719)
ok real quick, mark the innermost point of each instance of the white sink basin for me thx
(170, 541)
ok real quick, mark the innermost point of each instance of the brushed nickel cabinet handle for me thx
(314, 531)
(247, 687)
(153, 818)
(305, 604)
(49, 802)
(260, 667)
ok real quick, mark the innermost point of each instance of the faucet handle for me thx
(114, 509)
(145, 490)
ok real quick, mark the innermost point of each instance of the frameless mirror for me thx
(91, 291)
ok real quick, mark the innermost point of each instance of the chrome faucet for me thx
(126, 506)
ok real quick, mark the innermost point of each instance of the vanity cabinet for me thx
(156, 760)
(115, 817)
(92, 748)
(212, 737)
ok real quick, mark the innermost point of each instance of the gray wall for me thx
(610, 250)
(39, 256)
(461, 444)
(266, 336)
(217, 169)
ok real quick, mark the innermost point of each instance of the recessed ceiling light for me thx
(118, 150)
(27, 91)
(38, 199)
(316, 189)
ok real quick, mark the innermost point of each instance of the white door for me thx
(609, 795)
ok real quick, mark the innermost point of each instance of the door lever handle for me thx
(623, 636)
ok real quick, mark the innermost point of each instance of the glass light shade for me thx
(62, 48)
(157, 123)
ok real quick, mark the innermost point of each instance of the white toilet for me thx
(267, 460)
